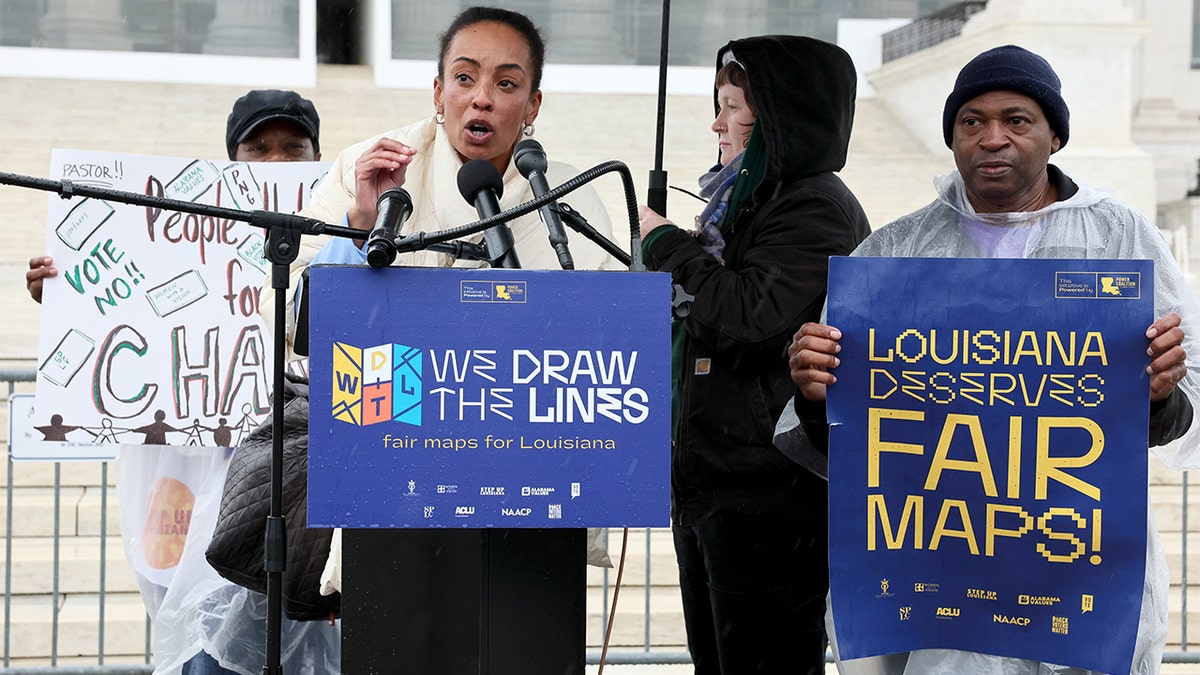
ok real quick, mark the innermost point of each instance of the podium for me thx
(465, 427)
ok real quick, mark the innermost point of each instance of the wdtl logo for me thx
(376, 384)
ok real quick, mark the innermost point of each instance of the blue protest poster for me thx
(987, 471)
(488, 398)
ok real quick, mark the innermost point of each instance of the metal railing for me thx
(12, 379)
(647, 653)
(927, 31)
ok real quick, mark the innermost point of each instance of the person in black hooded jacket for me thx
(749, 524)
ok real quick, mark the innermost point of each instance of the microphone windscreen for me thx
(477, 175)
(529, 156)
(393, 194)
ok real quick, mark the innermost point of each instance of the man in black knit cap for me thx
(1003, 120)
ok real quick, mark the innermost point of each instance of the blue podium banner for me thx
(488, 398)
(988, 457)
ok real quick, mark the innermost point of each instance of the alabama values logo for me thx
(377, 384)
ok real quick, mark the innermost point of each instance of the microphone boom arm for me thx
(67, 190)
(419, 241)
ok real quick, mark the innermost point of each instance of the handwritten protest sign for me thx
(151, 333)
(987, 462)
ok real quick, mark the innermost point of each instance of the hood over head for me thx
(803, 91)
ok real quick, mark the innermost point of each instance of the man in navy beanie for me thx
(1010, 68)
(1003, 120)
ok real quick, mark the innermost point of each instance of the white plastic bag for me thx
(157, 488)
(202, 611)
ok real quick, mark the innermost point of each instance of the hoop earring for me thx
(440, 118)
(527, 130)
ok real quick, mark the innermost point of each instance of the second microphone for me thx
(395, 206)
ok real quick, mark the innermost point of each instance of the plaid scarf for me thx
(716, 188)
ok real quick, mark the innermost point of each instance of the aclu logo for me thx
(948, 611)
(516, 513)
(464, 511)
(381, 383)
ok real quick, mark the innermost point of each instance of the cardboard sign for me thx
(151, 332)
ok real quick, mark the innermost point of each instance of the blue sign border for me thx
(510, 398)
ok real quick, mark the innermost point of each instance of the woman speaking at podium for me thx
(486, 97)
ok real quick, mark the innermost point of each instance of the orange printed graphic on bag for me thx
(168, 515)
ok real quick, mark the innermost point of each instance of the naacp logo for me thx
(377, 384)
(516, 513)
(1011, 620)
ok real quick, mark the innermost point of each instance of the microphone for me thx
(481, 185)
(395, 206)
(530, 159)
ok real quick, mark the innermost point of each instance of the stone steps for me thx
(32, 625)
(79, 511)
(79, 565)
(629, 627)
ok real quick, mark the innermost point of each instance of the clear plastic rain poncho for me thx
(193, 608)
(1090, 224)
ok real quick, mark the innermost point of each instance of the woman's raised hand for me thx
(380, 168)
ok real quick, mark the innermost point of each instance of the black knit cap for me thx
(265, 105)
(1010, 68)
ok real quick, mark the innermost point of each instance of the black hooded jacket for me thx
(735, 379)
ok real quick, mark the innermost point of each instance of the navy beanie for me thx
(1010, 68)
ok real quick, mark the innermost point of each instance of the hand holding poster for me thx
(151, 332)
(987, 461)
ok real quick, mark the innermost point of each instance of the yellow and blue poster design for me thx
(488, 398)
(987, 461)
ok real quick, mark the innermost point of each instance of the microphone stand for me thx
(283, 232)
(577, 222)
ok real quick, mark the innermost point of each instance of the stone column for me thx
(417, 25)
(585, 32)
(1179, 221)
(254, 28)
(84, 24)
